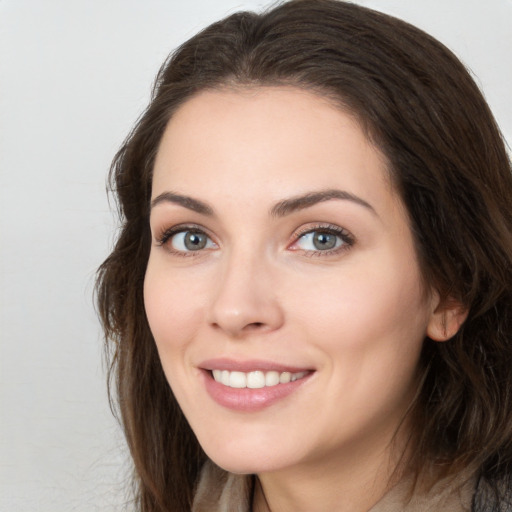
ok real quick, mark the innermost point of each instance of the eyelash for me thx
(345, 236)
(167, 234)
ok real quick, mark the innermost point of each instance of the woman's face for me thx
(282, 289)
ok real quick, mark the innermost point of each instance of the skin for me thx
(260, 289)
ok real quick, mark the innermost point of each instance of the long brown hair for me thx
(447, 159)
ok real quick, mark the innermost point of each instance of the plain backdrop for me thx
(74, 76)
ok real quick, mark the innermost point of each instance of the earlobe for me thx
(446, 320)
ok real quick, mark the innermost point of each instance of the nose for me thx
(244, 300)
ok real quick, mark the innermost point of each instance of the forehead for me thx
(272, 141)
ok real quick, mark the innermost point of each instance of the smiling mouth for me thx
(255, 379)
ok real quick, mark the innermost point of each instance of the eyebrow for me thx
(280, 209)
(185, 201)
(294, 204)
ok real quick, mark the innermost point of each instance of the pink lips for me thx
(247, 399)
(248, 366)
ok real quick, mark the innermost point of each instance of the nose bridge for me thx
(245, 299)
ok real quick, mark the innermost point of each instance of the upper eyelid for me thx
(166, 232)
(348, 238)
(331, 228)
(164, 240)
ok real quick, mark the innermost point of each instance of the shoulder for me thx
(450, 494)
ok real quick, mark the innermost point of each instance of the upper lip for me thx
(250, 365)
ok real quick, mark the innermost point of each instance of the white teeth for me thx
(271, 378)
(256, 379)
(237, 380)
(285, 377)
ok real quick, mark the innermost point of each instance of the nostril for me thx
(254, 325)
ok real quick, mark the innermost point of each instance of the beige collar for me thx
(220, 491)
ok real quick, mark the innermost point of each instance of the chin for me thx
(247, 467)
(250, 458)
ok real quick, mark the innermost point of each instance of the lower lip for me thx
(247, 399)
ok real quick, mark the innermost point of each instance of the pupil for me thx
(324, 241)
(195, 241)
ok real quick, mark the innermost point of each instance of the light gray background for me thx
(74, 75)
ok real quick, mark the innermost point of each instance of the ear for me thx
(446, 319)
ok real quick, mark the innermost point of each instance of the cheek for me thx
(171, 307)
(370, 331)
(374, 305)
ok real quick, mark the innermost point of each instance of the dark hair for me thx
(420, 107)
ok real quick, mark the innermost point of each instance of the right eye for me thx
(187, 240)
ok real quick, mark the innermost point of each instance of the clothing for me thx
(220, 491)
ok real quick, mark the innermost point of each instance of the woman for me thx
(309, 303)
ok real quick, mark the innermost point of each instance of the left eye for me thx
(319, 241)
